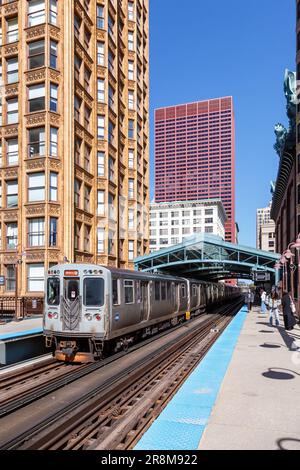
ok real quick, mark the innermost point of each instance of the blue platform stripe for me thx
(18, 334)
(182, 423)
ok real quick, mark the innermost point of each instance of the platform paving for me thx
(258, 405)
(19, 328)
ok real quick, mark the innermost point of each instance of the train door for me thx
(145, 300)
(175, 296)
(71, 304)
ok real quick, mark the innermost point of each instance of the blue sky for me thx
(201, 49)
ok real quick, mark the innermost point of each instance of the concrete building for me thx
(263, 217)
(195, 155)
(267, 237)
(74, 111)
(172, 222)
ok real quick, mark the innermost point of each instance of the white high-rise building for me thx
(265, 229)
(172, 222)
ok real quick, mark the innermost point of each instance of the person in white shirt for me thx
(274, 305)
(263, 301)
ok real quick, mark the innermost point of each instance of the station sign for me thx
(261, 277)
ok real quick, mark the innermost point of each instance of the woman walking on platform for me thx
(274, 304)
(287, 309)
(263, 301)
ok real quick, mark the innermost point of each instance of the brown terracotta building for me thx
(74, 135)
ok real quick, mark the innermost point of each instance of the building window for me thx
(130, 219)
(111, 61)
(53, 97)
(53, 231)
(111, 245)
(100, 203)
(36, 232)
(12, 70)
(130, 99)
(77, 231)
(101, 163)
(100, 131)
(53, 54)
(100, 240)
(36, 187)
(77, 107)
(131, 11)
(131, 159)
(36, 12)
(87, 198)
(11, 235)
(100, 17)
(209, 229)
(111, 169)
(111, 130)
(12, 30)
(87, 237)
(36, 276)
(111, 206)
(131, 129)
(101, 90)
(36, 146)
(53, 193)
(12, 193)
(36, 97)
(130, 250)
(130, 70)
(130, 41)
(100, 54)
(53, 12)
(10, 278)
(12, 111)
(36, 54)
(53, 142)
(12, 153)
(209, 221)
(111, 97)
(131, 188)
(77, 188)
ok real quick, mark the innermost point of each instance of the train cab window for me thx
(53, 291)
(116, 292)
(157, 291)
(163, 291)
(93, 292)
(183, 291)
(129, 294)
(72, 289)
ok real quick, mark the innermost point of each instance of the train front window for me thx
(72, 289)
(93, 292)
(53, 291)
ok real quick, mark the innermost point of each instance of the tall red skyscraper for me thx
(195, 155)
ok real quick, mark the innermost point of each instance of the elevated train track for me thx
(113, 409)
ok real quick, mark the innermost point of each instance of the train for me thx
(91, 309)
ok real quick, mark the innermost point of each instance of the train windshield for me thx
(93, 292)
(53, 291)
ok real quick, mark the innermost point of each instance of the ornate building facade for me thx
(74, 136)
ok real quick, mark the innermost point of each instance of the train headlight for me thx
(50, 315)
(88, 317)
(97, 317)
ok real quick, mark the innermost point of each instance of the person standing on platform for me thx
(248, 300)
(263, 298)
(274, 305)
(251, 299)
(288, 310)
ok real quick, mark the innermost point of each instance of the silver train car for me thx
(90, 309)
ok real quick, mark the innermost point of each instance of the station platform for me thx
(21, 340)
(242, 396)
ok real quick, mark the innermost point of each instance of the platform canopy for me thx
(210, 258)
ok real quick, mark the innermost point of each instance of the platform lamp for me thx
(278, 268)
(283, 262)
(289, 256)
(296, 245)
